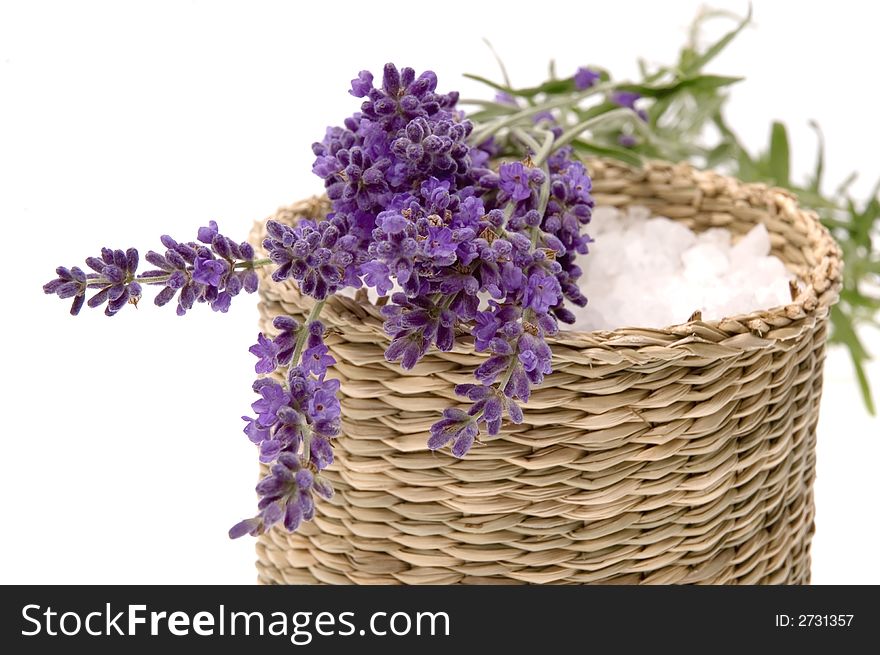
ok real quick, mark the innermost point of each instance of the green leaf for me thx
(845, 334)
(696, 63)
(489, 83)
(816, 182)
(687, 58)
(499, 61)
(779, 157)
(620, 154)
(844, 186)
(596, 110)
(698, 83)
(856, 299)
(864, 385)
(550, 87)
(719, 154)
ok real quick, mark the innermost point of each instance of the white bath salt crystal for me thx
(668, 236)
(638, 213)
(756, 243)
(767, 297)
(603, 219)
(646, 271)
(716, 236)
(704, 261)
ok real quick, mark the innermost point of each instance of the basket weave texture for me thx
(678, 455)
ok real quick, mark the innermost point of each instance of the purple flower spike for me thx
(625, 98)
(585, 78)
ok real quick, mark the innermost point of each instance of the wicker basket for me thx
(682, 455)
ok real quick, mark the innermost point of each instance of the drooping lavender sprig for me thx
(213, 271)
(295, 421)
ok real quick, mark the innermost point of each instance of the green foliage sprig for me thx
(684, 120)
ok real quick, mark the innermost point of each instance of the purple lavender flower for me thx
(208, 271)
(321, 256)
(542, 292)
(70, 283)
(514, 180)
(392, 222)
(114, 279)
(316, 360)
(324, 405)
(377, 275)
(285, 342)
(199, 273)
(456, 426)
(362, 84)
(266, 352)
(584, 78)
(286, 497)
(254, 431)
(625, 98)
(206, 234)
(403, 97)
(415, 325)
(273, 398)
(436, 148)
(440, 245)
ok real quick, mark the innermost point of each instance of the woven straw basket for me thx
(682, 455)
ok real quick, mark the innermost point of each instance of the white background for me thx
(121, 457)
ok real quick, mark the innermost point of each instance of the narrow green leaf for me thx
(816, 182)
(686, 59)
(500, 62)
(550, 87)
(779, 158)
(488, 82)
(620, 154)
(846, 184)
(719, 154)
(864, 386)
(596, 110)
(697, 63)
(709, 82)
(857, 299)
(844, 333)
(698, 83)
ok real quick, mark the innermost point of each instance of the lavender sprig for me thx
(295, 421)
(477, 227)
(212, 271)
